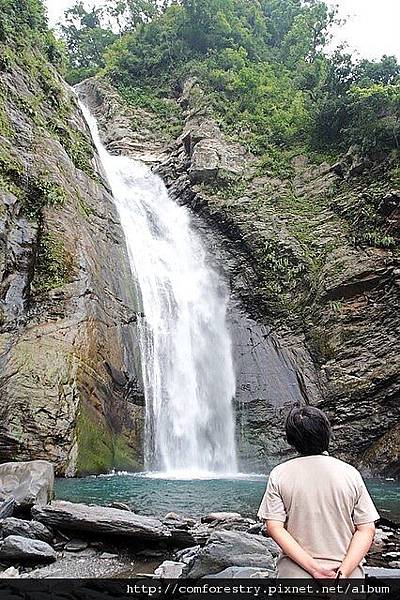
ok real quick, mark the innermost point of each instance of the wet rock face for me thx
(271, 378)
(69, 386)
(324, 310)
(313, 316)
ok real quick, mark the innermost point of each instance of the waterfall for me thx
(186, 350)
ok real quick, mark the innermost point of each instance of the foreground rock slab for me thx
(100, 520)
(28, 483)
(231, 549)
(18, 548)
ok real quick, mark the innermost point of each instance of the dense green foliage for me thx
(86, 41)
(23, 24)
(263, 64)
(268, 80)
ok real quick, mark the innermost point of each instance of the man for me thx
(316, 507)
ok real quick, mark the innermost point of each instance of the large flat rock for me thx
(97, 519)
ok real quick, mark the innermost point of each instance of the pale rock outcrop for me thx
(28, 483)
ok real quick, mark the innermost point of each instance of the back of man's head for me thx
(308, 430)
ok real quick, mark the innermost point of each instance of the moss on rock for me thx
(125, 456)
(99, 449)
(95, 446)
(5, 127)
(54, 267)
(77, 145)
(41, 192)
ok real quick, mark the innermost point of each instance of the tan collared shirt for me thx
(320, 499)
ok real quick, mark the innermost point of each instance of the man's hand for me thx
(295, 552)
(321, 573)
(359, 547)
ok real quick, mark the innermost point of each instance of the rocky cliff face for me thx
(314, 315)
(306, 275)
(314, 312)
(69, 389)
(273, 371)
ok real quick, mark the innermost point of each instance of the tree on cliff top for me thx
(263, 64)
(23, 24)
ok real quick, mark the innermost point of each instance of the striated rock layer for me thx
(99, 520)
(69, 387)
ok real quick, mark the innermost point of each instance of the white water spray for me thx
(186, 353)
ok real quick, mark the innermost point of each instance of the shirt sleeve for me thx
(364, 510)
(272, 506)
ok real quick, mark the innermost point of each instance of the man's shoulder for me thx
(344, 466)
(330, 462)
(283, 467)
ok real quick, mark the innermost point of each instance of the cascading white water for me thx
(186, 353)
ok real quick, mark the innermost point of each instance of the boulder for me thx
(206, 161)
(27, 529)
(256, 529)
(242, 573)
(231, 549)
(18, 548)
(7, 508)
(108, 556)
(179, 521)
(75, 546)
(100, 520)
(120, 505)
(10, 573)
(222, 516)
(188, 555)
(201, 533)
(271, 545)
(170, 569)
(183, 529)
(27, 482)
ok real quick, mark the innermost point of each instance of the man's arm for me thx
(295, 552)
(359, 547)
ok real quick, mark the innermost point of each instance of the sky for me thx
(372, 27)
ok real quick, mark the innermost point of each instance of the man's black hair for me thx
(308, 430)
